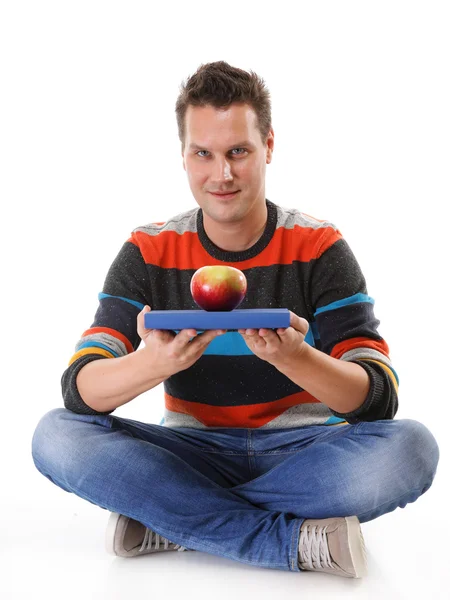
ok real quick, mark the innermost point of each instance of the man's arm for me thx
(105, 364)
(343, 386)
(345, 339)
(107, 384)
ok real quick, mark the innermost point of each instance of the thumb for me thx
(299, 323)
(141, 328)
(303, 325)
(140, 317)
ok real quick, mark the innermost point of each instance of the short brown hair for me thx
(219, 84)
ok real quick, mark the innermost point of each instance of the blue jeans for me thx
(237, 493)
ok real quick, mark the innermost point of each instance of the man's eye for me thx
(231, 151)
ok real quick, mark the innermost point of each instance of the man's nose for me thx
(222, 170)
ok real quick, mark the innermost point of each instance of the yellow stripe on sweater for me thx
(387, 369)
(92, 350)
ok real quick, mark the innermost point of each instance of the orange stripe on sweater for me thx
(253, 415)
(359, 342)
(171, 250)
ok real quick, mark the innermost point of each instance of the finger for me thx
(164, 334)
(183, 338)
(202, 340)
(269, 335)
(209, 335)
(145, 310)
(141, 321)
(265, 332)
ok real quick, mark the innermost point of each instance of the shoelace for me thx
(313, 548)
(149, 540)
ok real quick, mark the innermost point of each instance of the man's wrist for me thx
(290, 364)
(342, 385)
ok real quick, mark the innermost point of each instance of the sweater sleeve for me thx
(113, 333)
(345, 327)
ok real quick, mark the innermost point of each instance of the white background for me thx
(89, 151)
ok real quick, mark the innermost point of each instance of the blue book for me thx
(251, 318)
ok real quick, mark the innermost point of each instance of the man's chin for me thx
(224, 211)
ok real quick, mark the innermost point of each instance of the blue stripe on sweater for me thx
(355, 299)
(92, 344)
(233, 344)
(133, 302)
(332, 420)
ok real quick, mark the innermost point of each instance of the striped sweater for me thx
(300, 263)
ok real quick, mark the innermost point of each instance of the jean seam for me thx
(279, 465)
(252, 453)
(293, 558)
(335, 434)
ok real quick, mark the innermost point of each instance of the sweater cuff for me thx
(72, 399)
(370, 409)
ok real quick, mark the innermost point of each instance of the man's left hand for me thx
(278, 346)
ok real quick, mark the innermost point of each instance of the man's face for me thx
(224, 153)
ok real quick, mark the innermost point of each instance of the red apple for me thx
(218, 287)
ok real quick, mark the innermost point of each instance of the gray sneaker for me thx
(127, 537)
(333, 546)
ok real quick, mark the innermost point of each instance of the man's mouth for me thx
(225, 196)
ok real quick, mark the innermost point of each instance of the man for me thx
(275, 444)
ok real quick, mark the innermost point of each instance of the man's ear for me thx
(270, 145)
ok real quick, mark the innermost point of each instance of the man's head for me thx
(224, 125)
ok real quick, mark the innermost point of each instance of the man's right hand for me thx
(170, 353)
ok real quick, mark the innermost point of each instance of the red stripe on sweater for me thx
(253, 415)
(359, 342)
(171, 250)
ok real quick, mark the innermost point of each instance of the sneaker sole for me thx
(356, 546)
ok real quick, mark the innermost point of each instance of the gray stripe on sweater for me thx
(187, 222)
